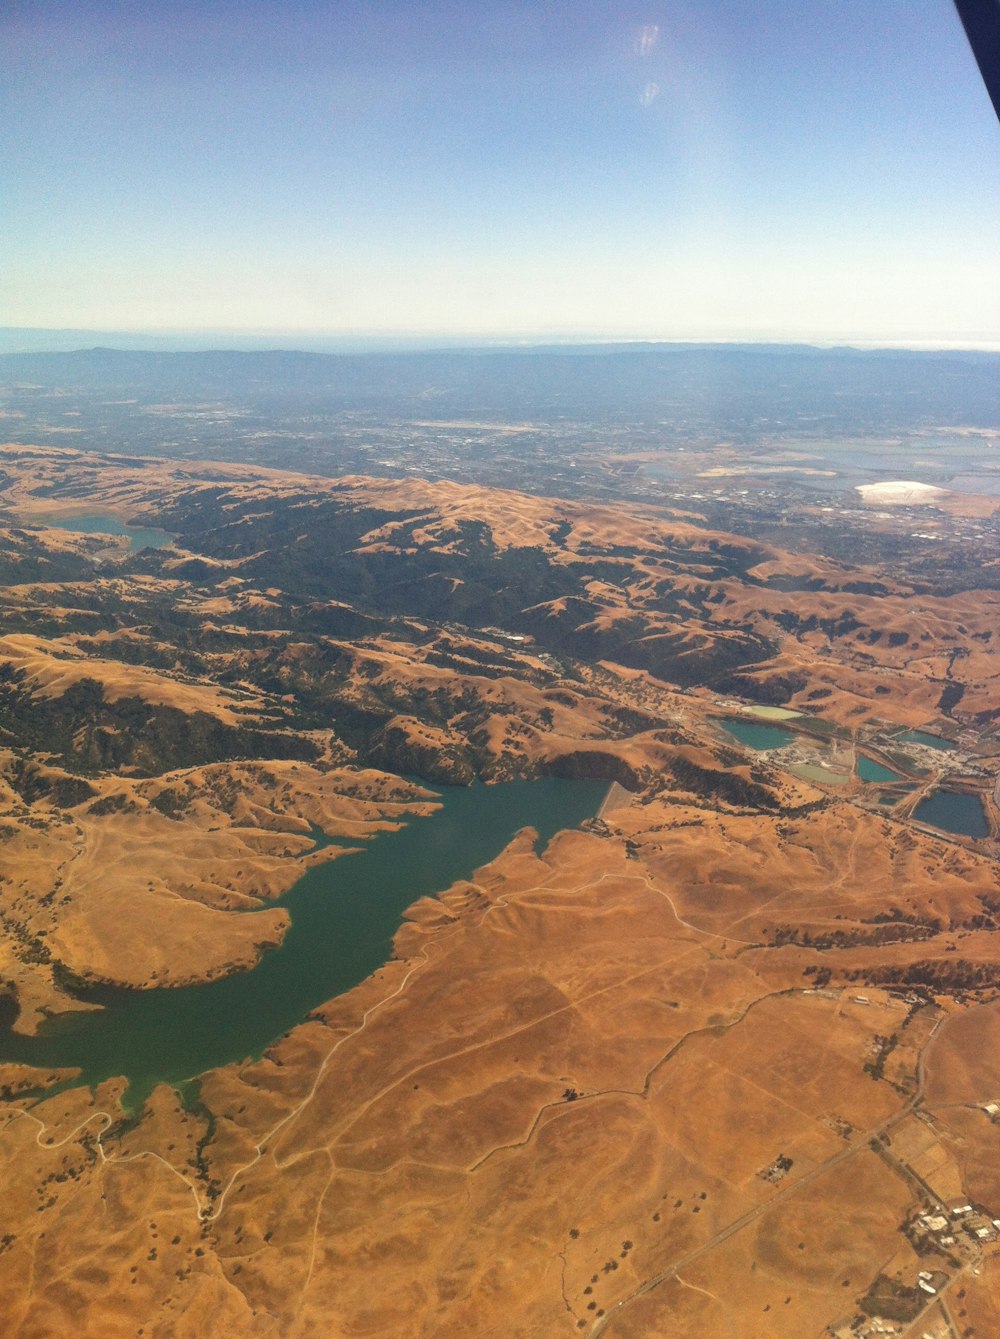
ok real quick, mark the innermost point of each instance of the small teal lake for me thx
(922, 737)
(869, 770)
(344, 915)
(952, 811)
(139, 537)
(757, 736)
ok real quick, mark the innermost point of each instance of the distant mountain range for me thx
(36, 339)
(723, 387)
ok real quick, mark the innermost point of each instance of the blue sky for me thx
(703, 169)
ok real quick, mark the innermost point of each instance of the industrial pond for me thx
(757, 736)
(954, 811)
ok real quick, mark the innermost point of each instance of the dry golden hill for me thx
(707, 1066)
(589, 1084)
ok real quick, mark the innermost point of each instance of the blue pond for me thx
(952, 811)
(139, 537)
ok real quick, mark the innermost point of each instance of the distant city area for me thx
(769, 441)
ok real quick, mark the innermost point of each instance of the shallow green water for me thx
(922, 737)
(344, 915)
(869, 770)
(774, 713)
(758, 736)
(816, 772)
(952, 811)
(139, 537)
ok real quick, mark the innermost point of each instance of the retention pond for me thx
(870, 770)
(757, 736)
(922, 737)
(954, 811)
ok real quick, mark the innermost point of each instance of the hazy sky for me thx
(807, 169)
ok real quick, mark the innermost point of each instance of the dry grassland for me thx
(687, 1072)
(567, 1084)
(53, 666)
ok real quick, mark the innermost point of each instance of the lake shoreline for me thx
(344, 916)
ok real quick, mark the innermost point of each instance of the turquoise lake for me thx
(343, 917)
(922, 737)
(953, 811)
(757, 736)
(869, 770)
(139, 537)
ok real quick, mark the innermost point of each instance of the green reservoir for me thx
(953, 811)
(758, 736)
(869, 770)
(139, 537)
(344, 915)
(922, 737)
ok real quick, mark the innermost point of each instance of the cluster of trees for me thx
(938, 975)
(884, 1046)
(88, 734)
(726, 787)
(892, 1299)
(882, 934)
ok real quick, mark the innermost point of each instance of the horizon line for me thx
(498, 340)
